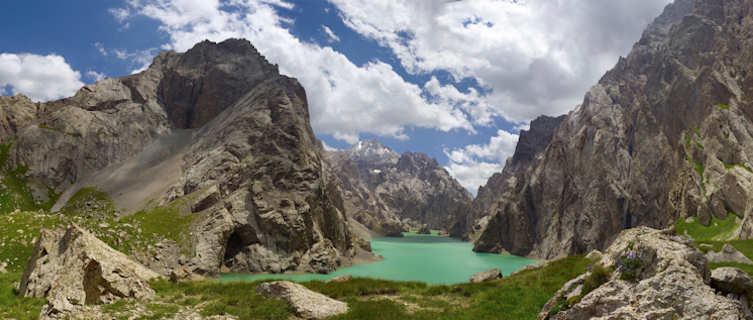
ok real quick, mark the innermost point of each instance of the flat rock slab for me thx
(487, 275)
(306, 303)
(727, 254)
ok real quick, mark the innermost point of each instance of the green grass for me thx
(718, 229)
(171, 222)
(520, 296)
(748, 268)
(14, 307)
(90, 202)
(722, 106)
(15, 192)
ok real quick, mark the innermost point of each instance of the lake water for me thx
(426, 258)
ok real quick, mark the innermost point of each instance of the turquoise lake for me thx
(426, 258)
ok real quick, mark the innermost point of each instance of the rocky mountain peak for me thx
(202, 82)
(372, 151)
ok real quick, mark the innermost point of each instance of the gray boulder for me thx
(71, 268)
(341, 278)
(731, 280)
(306, 303)
(487, 275)
(671, 281)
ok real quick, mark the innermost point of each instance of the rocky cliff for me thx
(664, 134)
(388, 192)
(531, 143)
(216, 129)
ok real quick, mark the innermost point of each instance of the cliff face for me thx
(216, 127)
(388, 192)
(531, 143)
(664, 134)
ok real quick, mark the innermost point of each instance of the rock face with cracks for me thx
(72, 268)
(663, 135)
(671, 281)
(216, 127)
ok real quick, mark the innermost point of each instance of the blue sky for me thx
(456, 80)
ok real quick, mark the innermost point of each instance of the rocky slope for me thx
(216, 131)
(388, 192)
(653, 274)
(664, 134)
(531, 143)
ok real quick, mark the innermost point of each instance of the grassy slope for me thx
(713, 237)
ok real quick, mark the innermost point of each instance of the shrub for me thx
(599, 275)
(628, 265)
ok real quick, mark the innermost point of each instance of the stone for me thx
(727, 254)
(307, 304)
(732, 280)
(671, 282)
(342, 278)
(594, 254)
(424, 230)
(71, 268)
(487, 275)
(3, 266)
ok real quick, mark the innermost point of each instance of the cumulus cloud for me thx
(473, 164)
(332, 36)
(536, 57)
(41, 78)
(95, 76)
(345, 99)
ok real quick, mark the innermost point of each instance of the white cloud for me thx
(537, 57)
(473, 164)
(139, 59)
(95, 76)
(345, 99)
(332, 36)
(41, 78)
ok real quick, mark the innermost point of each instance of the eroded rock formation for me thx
(663, 135)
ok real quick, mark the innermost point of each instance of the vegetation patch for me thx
(748, 268)
(628, 265)
(171, 222)
(738, 165)
(13, 306)
(722, 106)
(90, 202)
(718, 229)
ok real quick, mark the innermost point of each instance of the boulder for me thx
(424, 230)
(668, 279)
(727, 254)
(70, 267)
(3, 265)
(731, 280)
(342, 278)
(487, 275)
(306, 303)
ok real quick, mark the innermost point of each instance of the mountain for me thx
(389, 192)
(213, 145)
(531, 143)
(664, 134)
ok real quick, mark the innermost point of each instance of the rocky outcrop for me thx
(653, 274)
(390, 193)
(663, 135)
(727, 254)
(307, 304)
(487, 275)
(216, 127)
(531, 143)
(72, 268)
